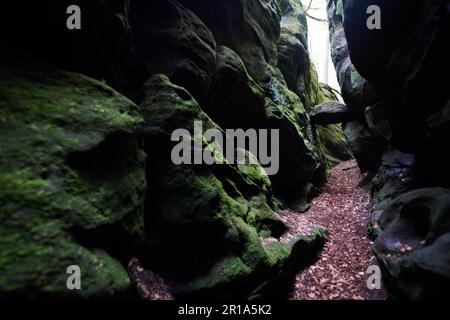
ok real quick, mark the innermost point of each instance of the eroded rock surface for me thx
(72, 182)
(87, 177)
(331, 112)
(205, 222)
(389, 81)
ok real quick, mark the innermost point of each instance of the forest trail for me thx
(343, 208)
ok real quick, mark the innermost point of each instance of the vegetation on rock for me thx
(72, 179)
(87, 179)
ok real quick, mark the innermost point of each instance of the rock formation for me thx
(85, 170)
(400, 110)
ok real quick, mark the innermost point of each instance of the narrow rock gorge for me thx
(87, 176)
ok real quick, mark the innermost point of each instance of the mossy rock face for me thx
(333, 144)
(358, 93)
(301, 159)
(413, 244)
(247, 89)
(301, 77)
(72, 180)
(353, 86)
(293, 60)
(251, 28)
(234, 92)
(293, 57)
(204, 223)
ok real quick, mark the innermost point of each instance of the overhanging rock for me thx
(330, 112)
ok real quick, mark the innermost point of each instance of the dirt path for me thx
(343, 209)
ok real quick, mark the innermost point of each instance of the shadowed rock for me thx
(173, 40)
(361, 142)
(205, 223)
(330, 112)
(72, 183)
(414, 244)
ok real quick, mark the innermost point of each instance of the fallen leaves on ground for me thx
(343, 208)
(150, 285)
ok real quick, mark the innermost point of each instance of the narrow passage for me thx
(343, 208)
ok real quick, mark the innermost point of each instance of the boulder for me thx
(395, 176)
(413, 245)
(369, 49)
(364, 146)
(330, 112)
(72, 183)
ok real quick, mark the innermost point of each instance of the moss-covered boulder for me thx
(205, 223)
(301, 77)
(72, 182)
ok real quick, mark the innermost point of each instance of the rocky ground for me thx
(343, 209)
